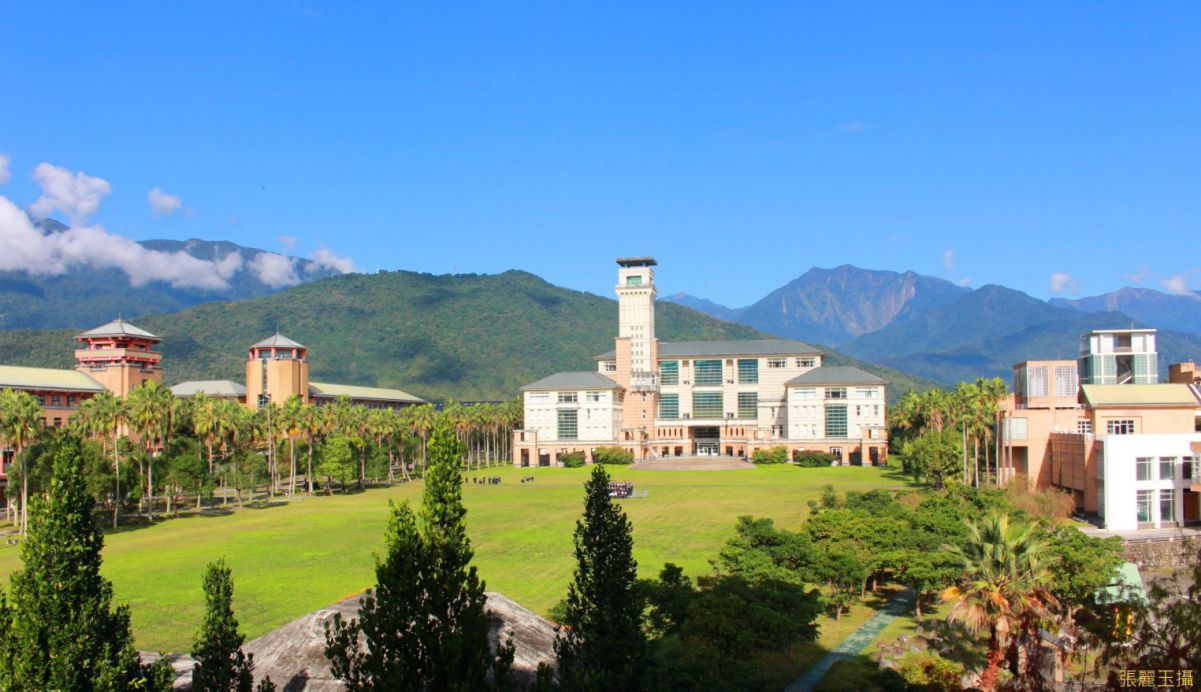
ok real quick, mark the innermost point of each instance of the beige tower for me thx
(637, 349)
(119, 356)
(276, 369)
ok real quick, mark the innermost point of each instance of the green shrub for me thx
(775, 455)
(573, 460)
(927, 670)
(812, 459)
(612, 455)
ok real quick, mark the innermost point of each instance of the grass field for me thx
(289, 560)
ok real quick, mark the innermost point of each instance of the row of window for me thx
(59, 401)
(1145, 468)
(708, 405)
(834, 392)
(1146, 500)
(709, 371)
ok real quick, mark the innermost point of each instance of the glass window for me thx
(1188, 468)
(633, 280)
(1119, 427)
(708, 372)
(806, 362)
(777, 362)
(836, 392)
(1084, 426)
(54, 400)
(669, 406)
(1167, 468)
(569, 424)
(1038, 380)
(568, 397)
(866, 392)
(836, 421)
(538, 397)
(806, 392)
(1167, 505)
(748, 370)
(706, 405)
(1143, 498)
(748, 405)
(669, 372)
(610, 366)
(1065, 380)
(592, 396)
(1142, 466)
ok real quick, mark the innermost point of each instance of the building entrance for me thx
(1191, 504)
(705, 441)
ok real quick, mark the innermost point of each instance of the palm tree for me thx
(292, 424)
(21, 423)
(1004, 585)
(312, 424)
(152, 409)
(104, 415)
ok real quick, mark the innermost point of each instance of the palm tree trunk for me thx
(308, 476)
(292, 468)
(116, 479)
(24, 493)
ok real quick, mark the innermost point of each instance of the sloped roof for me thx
(217, 388)
(746, 347)
(277, 340)
(50, 379)
(573, 380)
(1138, 395)
(325, 389)
(837, 374)
(117, 327)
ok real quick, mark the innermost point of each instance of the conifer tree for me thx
(59, 630)
(605, 647)
(220, 664)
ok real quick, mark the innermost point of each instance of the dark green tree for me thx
(761, 551)
(59, 631)
(935, 456)
(221, 666)
(605, 647)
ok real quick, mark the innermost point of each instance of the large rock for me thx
(294, 655)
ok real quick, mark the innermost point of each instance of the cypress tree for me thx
(220, 664)
(59, 631)
(605, 647)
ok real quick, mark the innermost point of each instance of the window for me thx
(748, 370)
(1188, 468)
(806, 362)
(669, 406)
(569, 424)
(1038, 381)
(1084, 427)
(633, 280)
(836, 392)
(777, 362)
(568, 397)
(538, 397)
(1119, 427)
(42, 400)
(858, 411)
(708, 372)
(609, 366)
(836, 421)
(55, 401)
(1065, 380)
(805, 392)
(1142, 469)
(592, 396)
(706, 405)
(669, 372)
(1143, 499)
(1167, 505)
(866, 392)
(748, 405)
(1167, 468)
(58, 422)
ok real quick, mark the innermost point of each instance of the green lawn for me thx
(289, 560)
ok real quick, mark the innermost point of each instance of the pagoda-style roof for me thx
(277, 340)
(636, 261)
(117, 327)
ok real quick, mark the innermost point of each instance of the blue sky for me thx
(740, 143)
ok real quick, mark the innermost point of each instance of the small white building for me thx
(1149, 480)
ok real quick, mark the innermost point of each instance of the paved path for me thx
(693, 464)
(854, 643)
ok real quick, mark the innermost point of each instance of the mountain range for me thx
(935, 329)
(86, 294)
(468, 337)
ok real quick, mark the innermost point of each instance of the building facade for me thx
(700, 398)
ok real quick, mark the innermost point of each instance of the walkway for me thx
(854, 643)
(693, 464)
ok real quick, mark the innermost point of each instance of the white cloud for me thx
(1136, 277)
(5, 168)
(274, 269)
(948, 259)
(965, 282)
(163, 203)
(23, 247)
(77, 195)
(1061, 281)
(288, 241)
(1177, 284)
(325, 259)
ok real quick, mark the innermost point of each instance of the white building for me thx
(1149, 480)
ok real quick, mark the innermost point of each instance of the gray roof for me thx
(46, 379)
(836, 374)
(573, 380)
(326, 389)
(117, 327)
(277, 340)
(214, 388)
(752, 347)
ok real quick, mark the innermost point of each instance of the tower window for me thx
(633, 280)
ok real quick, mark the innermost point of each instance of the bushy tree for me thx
(614, 456)
(774, 455)
(760, 551)
(221, 666)
(337, 460)
(60, 631)
(936, 456)
(572, 460)
(812, 459)
(605, 647)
